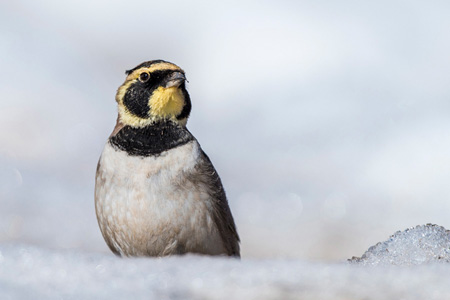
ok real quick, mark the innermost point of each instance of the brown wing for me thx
(221, 211)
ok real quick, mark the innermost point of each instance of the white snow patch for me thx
(28, 272)
(413, 246)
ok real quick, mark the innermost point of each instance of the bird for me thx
(156, 191)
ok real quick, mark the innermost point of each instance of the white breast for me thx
(149, 205)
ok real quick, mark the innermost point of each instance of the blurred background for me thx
(328, 121)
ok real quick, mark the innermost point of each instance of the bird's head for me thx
(153, 91)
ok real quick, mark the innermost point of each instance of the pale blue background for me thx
(328, 121)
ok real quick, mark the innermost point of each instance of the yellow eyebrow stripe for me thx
(152, 68)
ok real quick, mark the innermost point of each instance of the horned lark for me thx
(157, 193)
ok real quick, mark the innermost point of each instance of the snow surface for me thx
(36, 273)
(28, 272)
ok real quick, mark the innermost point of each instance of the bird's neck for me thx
(150, 140)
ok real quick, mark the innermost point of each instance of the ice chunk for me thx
(413, 246)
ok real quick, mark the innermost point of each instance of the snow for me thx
(413, 246)
(406, 266)
(36, 273)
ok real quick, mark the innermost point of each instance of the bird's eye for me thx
(144, 77)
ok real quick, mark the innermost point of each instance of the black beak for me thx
(175, 79)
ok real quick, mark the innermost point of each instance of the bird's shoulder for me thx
(207, 174)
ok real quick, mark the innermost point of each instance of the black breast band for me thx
(151, 140)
